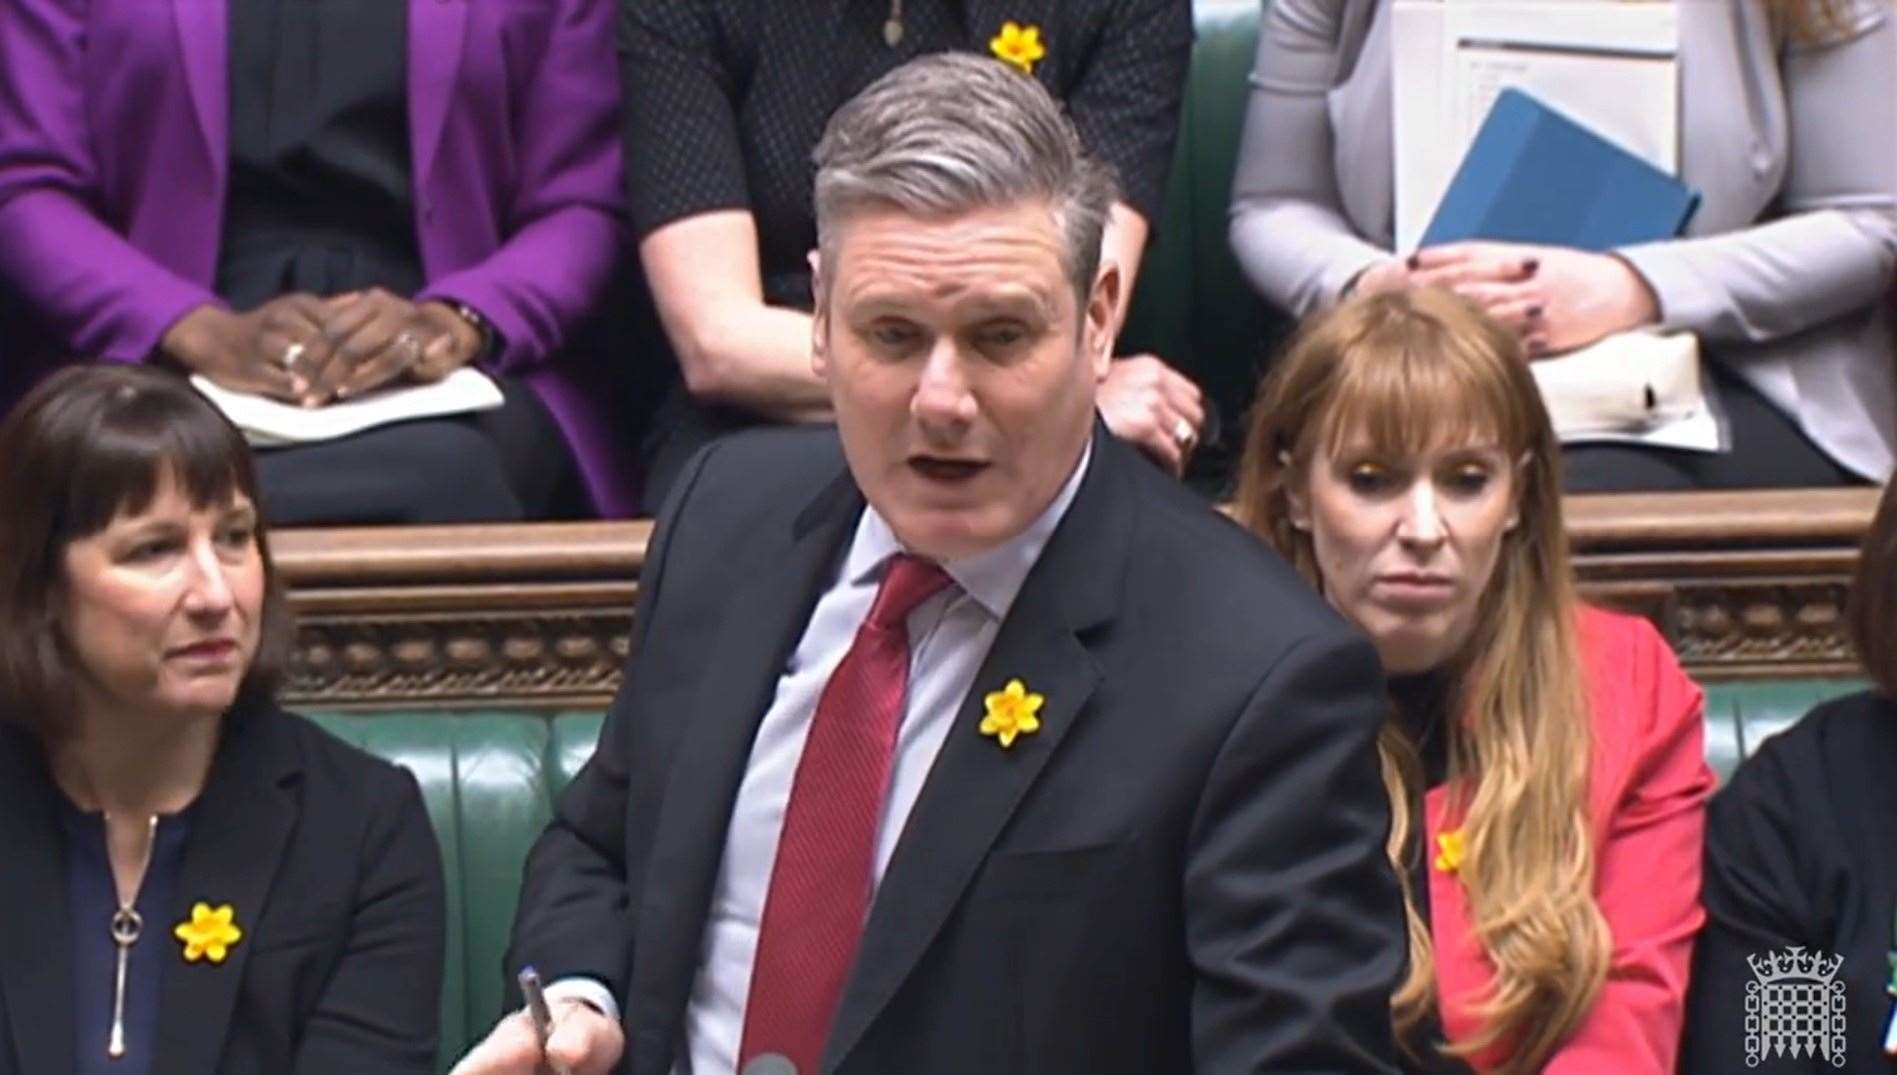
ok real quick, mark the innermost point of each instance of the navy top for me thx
(1801, 852)
(320, 178)
(1422, 703)
(92, 902)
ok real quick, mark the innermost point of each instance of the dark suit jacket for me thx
(1801, 854)
(326, 855)
(1183, 870)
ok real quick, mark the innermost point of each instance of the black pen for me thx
(538, 1011)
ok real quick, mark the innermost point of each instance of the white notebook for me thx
(1611, 65)
(1638, 387)
(268, 422)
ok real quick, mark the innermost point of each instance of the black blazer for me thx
(1184, 870)
(1801, 852)
(325, 853)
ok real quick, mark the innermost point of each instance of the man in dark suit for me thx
(961, 739)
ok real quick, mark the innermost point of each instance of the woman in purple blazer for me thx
(312, 198)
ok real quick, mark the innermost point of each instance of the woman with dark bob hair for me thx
(1543, 759)
(195, 881)
(1801, 868)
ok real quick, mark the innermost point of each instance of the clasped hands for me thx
(1556, 298)
(312, 351)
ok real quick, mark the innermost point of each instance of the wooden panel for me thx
(459, 616)
(1744, 585)
(1765, 518)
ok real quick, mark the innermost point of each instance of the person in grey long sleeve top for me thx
(1784, 273)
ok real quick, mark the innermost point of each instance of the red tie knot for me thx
(907, 582)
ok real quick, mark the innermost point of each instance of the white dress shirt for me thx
(949, 637)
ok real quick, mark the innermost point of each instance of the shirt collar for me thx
(992, 578)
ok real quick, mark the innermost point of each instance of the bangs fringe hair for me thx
(138, 439)
(1403, 399)
(86, 444)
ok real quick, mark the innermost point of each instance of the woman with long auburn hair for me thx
(1543, 758)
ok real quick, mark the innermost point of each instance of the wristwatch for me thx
(481, 325)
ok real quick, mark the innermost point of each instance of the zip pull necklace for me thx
(892, 26)
(127, 926)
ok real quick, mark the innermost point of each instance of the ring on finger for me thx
(291, 355)
(411, 345)
(1183, 434)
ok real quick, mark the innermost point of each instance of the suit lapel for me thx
(971, 792)
(975, 785)
(766, 612)
(239, 829)
(436, 33)
(204, 46)
(35, 947)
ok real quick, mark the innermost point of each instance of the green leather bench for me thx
(489, 778)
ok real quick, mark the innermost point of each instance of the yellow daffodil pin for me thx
(1019, 45)
(209, 934)
(1449, 851)
(1012, 712)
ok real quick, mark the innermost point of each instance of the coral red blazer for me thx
(1647, 803)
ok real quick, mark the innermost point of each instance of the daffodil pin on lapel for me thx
(1013, 711)
(1450, 849)
(1018, 45)
(209, 932)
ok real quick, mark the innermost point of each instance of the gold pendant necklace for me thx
(127, 926)
(892, 26)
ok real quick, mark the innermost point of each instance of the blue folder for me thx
(1533, 175)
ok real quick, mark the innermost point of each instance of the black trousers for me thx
(1769, 451)
(505, 465)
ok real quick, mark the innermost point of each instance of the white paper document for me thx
(268, 422)
(1611, 65)
(1639, 387)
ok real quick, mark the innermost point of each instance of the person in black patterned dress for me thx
(726, 100)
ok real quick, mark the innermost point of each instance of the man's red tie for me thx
(820, 885)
